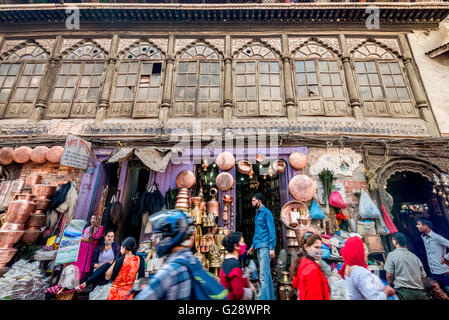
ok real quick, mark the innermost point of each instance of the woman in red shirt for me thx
(305, 270)
(231, 274)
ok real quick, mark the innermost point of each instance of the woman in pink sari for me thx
(91, 234)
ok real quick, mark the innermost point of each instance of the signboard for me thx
(76, 152)
(70, 242)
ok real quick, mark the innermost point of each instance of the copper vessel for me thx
(183, 200)
(185, 179)
(297, 160)
(41, 203)
(36, 220)
(244, 167)
(290, 213)
(227, 200)
(279, 166)
(13, 226)
(213, 206)
(10, 237)
(197, 214)
(6, 255)
(39, 154)
(302, 188)
(54, 155)
(19, 210)
(33, 179)
(22, 154)
(219, 238)
(292, 242)
(203, 202)
(6, 156)
(225, 161)
(43, 190)
(285, 288)
(224, 181)
(30, 236)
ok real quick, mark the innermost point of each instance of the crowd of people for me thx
(182, 277)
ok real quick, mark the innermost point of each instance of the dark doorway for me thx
(413, 188)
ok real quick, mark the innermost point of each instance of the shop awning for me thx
(154, 158)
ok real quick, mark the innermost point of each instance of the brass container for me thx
(43, 190)
(6, 255)
(285, 288)
(290, 233)
(292, 242)
(227, 200)
(19, 210)
(183, 200)
(196, 212)
(244, 167)
(213, 206)
(219, 238)
(203, 202)
(30, 236)
(41, 203)
(36, 220)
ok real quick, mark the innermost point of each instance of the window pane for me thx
(68, 94)
(240, 92)
(384, 68)
(24, 81)
(360, 67)
(4, 94)
(264, 80)
(310, 65)
(4, 68)
(275, 79)
(191, 67)
(371, 67)
(129, 94)
(181, 80)
(322, 65)
(301, 78)
(388, 80)
(190, 93)
(182, 67)
(366, 92)
(275, 92)
(391, 93)
(274, 67)
(204, 68)
(19, 94)
(333, 66)
(215, 68)
(251, 67)
(327, 91)
(75, 68)
(204, 80)
(335, 78)
(373, 79)
(191, 79)
(179, 93)
(35, 81)
(398, 80)
(154, 93)
(9, 82)
(264, 92)
(29, 68)
(363, 79)
(251, 92)
(394, 67)
(204, 93)
(155, 80)
(377, 92)
(240, 80)
(146, 68)
(214, 80)
(251, 80)
(338, 92)
(240, 67)
(264, 67)
(85, 80)
(121, 80)
(123, 67)
(31, 94)
(311, 78)
(81, 94)
(214, 93)
(403, 93)
(299, 65)
(96, 81)
(117, 95)
(14, 69)
(142, 94)
(302, 91)
(313, 90)
(325, 79)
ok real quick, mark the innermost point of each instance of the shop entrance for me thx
(412, 193)
(245, 214)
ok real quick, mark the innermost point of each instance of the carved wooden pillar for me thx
(227, 96)
(164, 108)
(103, 106)
(48, 80)
(288, 83)
(417, 89)
(354, 99)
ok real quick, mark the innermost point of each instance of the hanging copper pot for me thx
(244, 167)
(297, 160)
(185, 179)
(39, 154)
(213, 206)
(6, 156)
(225, 161)
(54, 155)
(22, 154)
(224, 181)
(183, 200)
(302, 188)
(279, 166)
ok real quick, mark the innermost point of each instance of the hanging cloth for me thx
(388, 221)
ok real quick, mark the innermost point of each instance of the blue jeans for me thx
(266, 283)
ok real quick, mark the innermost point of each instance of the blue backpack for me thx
(204, 284)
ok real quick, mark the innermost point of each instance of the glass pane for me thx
(275, 92)
(251, 67)
(121, 80)
(29, 68)
(299, 65)
(85, 81)
(302, 91)
(274, 67)
(377, 92)
(154, 93)
(35, 81)
(118, 94)
(204, 68)
(373, 78)
(398, 80)
(182, 67)
(333, 66)
(24, 81)
(75, 68)
(68, 94)
(191, 67)
(142, 94)
(214, 80)
(275, 79)
(311, 78)
(360, 67)
(179, 93)
(240, 80)
(388, 80)
(4, 69)
(39, 68)
(99, 67)
(96, 81)
(88, 68)
(338, 92)
(391, 93)
(314, 91)
(4, 94)
(327, 91)
(403, 93)
(123, 67)
(264, 79)
(322, 65)
(384, 68)
(14, 69)
(190, 93)
(215, 68)
(264, 92)
(240, 67)
(204, 80)
(251, 80)
(31, 94)
(191, 79)
(19, 94)
(80, 95)
(363, 79)
(251, 92)
(366, 92)
(301, 78)
(214, 93)
(60, 82)
(325, 79)
(181, 80)
(310, 65)
(155, 80)
(146, 68)
(264, 67)
(129, 93)
(240, 92)
(394, 67)
(57, 94)
(336, 78)
(9, 82)
(371, 67)
(204, 93)
(71, 81)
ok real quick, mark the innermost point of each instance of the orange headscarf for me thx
(353, 254)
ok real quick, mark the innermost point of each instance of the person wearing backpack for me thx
(182, 277)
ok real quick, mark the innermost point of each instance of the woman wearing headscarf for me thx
(305, 270)
(360, 282)
(124, 271)
(231, 274)
(92, 232)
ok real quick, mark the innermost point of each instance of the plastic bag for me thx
(336, 200)
(100, 292)
(325, 251)
(316, 212)
(381, 228)
(367, 208)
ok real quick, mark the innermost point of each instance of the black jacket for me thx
(99, 248)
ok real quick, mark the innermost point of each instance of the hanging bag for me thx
(367, 208)
(336, 200)
(316, 212)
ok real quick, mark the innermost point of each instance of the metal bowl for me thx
(30, 236)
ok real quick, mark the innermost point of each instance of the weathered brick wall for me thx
(52, 173)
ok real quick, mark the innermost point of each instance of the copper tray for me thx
(302, 188)
(185, 179)
(285, 213)
(224, 181)
(297, 160)
(225, 161)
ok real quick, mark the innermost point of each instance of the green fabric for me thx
(411, 294)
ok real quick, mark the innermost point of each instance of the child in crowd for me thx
(433, 290)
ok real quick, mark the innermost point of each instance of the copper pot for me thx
(41, 203)
(36, 220)
(33, 179)
(6, 156)
(225, 161)
(224, 181)
(22, 154)
(13, 226)
(183, 200)
(279, 166)
(297, 160)
(54, 155)
(43, 190)
(213, 206)
(302, 188)
(5, 256)
(185, 179)
(30, 236)
(39, 154)
(19, 210)
(10, 236)
(244, 167)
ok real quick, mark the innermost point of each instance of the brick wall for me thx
(52, 173)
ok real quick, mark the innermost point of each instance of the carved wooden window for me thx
(382, 84)
(198, 82)
(257, 82)
(319, 81)
(137, 84)
(20, 79)
(77, 87)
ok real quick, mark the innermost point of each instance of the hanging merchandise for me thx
(381, 228)
(58, 199)
(336, 200)
(316, 212)
(302, 188)
(112, 215)
(152, 201)
(327, 178)
(367, 208)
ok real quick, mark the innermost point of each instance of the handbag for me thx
(101, 292)
(316, 212)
